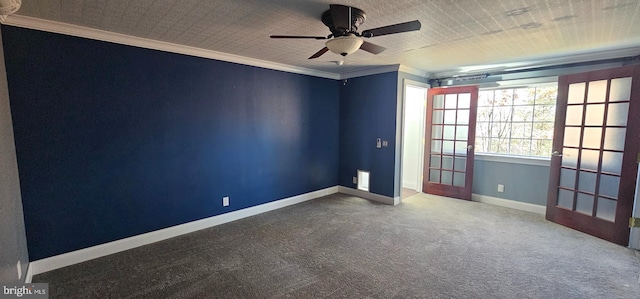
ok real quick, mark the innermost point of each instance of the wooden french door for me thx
(596, 140)
(449, 138)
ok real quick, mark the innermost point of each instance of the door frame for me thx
(405, 83)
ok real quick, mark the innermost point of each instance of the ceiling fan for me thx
(343, 22)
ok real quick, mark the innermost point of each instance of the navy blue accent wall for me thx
(368, 111)
(114, 141)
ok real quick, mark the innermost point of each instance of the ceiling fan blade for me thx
(341, 16)
(319, 53)
(298, 36)
(372, 48)
(391, 29)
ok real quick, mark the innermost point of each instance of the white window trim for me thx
(511, 159)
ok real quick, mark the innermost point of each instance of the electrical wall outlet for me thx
(500, 188)
(225, 201)
(355, 180)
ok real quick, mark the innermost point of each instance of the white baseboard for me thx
(523, 206)
(29, 274)
(370, 196)
(82, 255)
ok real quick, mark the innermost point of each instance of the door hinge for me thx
(634, 222)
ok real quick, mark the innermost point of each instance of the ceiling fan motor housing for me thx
(357, 18)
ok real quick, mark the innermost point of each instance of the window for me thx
(516, 121)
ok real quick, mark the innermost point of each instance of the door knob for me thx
(469, 147)
(556, 154)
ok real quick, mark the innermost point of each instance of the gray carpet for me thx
(345, 247)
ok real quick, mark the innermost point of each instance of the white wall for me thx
(13, 240)
(414, 113)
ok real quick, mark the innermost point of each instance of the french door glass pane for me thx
(449, 132)
(436, 132)
(597, 91)
(568, 178)
(576, 93)
(438, 101)
(565, 199)
(447, 147)
(464, 101)
(606, 209)
(437, 117)
(449, 116)
(617, 115)
(447, 177)
(614, 138)
(594, 115)
(462, 133)
(458, 179)
(460, 164)
(620, 89)
(461, 148)
(447, 162)
(450, 101)
(611, 162)
(590, 159)
(584, 203)
(435, 161)
(572, 136)
(609, 185)
(463, 117)
(574, 115)
(592, 137)
(570, 157)
(434, 175)
(436, 146)
(587, 182)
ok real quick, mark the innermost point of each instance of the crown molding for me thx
(370, 71)
(384, 69)
(586, 57)
(413, 71)
(123, 39)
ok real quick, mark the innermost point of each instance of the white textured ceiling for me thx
(455, 34)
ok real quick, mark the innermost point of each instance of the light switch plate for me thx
(225, 201)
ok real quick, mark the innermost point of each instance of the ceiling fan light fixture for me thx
(8, 7)
(344, 45)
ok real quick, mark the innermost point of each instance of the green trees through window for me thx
(516, 121)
